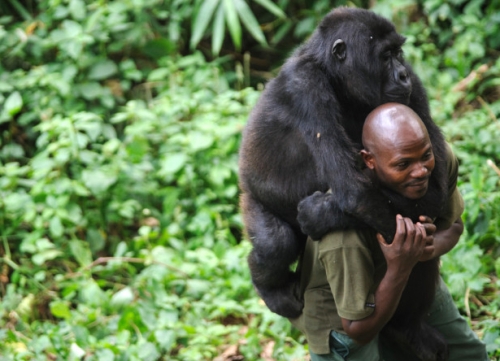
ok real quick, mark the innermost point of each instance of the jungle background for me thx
(120, 123)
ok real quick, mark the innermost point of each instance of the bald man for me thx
(352, 280)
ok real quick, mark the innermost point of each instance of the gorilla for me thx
(302, 139)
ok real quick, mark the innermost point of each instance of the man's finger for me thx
(382, 240)
(429, 228)
(420, 233)
(400, 229)
(410, 230)
(425, 219)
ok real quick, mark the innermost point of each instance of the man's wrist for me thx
(397, 275)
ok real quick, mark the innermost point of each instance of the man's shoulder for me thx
(451, 161)
(350, 238)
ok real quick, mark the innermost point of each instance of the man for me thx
(352, 280)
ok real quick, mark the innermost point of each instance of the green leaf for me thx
(219, 173)
(476, 179)
(77, 9)
(71, 28)
(171, 200)
(55, 226)
(41, 257)
(95, 239)
(158, 48)
(165, 338)
(233, 23)
(173, 163)
(76, 352)
(199, 141)
(92, 294)
(273, 8)
(159, 74)
(98, 180)
(81, 252)
(203, 17)
(218, 30)
(60, 309)
(13, 103)
(148, 352)
(105, 355)
(249, 20)
(102, 70)
(20, 9)
(90, 91)
(123, 297)
(282, 31)
(197, 287)
(25, 307)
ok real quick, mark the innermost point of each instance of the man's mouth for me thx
(419, 183)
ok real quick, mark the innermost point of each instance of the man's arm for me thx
(404, 252)
(442, 241)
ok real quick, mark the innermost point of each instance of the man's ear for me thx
(368, 158)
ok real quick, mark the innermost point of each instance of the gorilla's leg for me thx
(275, 247)
(421, 342)
(408, 325)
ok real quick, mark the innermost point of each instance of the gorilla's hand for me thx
(318, 214)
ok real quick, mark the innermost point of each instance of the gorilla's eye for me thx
(386, 56)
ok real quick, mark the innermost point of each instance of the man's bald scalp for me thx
(384, 124)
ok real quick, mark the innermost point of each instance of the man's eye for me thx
(402, 165)
(427, 156)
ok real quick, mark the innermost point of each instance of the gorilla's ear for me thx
(338, 49)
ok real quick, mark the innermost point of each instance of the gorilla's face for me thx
(397, 85)
(366, 61)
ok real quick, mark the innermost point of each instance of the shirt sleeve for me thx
(455, 204)
(350, 271)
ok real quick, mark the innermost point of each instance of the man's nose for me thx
(420, 171)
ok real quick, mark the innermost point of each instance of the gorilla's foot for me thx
(319, 214)
(427, 343)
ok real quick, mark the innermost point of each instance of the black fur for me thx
(303, 136)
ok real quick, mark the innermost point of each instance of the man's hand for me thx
(430, 230)
(407, 247)
(441, 241)
(401, 255)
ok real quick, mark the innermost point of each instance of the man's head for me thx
(397, 149)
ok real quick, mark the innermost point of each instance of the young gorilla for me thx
(303, 136)
(353, 280)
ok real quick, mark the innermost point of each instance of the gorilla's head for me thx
(361, 53)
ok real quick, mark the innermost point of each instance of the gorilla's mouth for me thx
(399, 97)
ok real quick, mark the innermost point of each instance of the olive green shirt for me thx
(340, 274)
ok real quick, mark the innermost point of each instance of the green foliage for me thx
(232, 13)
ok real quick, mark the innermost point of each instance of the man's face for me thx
(404, 165)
